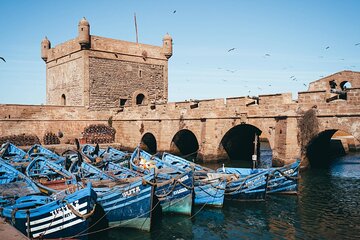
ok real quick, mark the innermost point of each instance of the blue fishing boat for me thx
(55, 217)
(94, 154)
(127, 199)
(14, 184)
(209, 188)
(50, 177)
(14, 156)
(38, 150)
(174, 186)
(250, 188)
(116, 156)
(281, 179)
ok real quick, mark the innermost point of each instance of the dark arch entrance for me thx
(148, 143)
(184, 144)
(326, 146)
(140, 99)
(63, 100)
(238, 143)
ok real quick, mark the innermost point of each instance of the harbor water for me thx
(327, 207)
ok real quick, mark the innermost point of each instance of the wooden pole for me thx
(136, 30)
(254, 156)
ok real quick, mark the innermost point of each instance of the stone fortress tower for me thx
(101, 73)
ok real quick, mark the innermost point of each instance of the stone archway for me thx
(140, 97)
(184, 144)
(238, 143)
(148, 143)
(329, 144)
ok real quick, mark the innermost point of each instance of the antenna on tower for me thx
(136, 30)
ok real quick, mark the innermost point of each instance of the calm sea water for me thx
(327, 207)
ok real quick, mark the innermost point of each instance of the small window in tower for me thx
(122, 102)
(140, 99)
(63, 100)
(82, 29)
(140, 73)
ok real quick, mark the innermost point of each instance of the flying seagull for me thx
(231, 49)
(327, 47)
(267, 55)
(174, 11)
(2, 59)
(304, 84)
(357, 44)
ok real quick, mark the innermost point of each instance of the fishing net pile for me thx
(21, 139)
(51, 138)
(99, 133)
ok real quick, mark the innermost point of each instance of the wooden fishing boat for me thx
(116, 156)
(250, 188)
(55, 217)
(38, 150)
(14, 156)
(14, 184)
(174, 186)
(128, 200)
(94, 154)
(50, 177)
(209, 189)
(282, 180)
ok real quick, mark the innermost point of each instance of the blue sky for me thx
(273, 41)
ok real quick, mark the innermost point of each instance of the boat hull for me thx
(176, 196)
(128, 207)
(55, 219)
(251, 188)
(211, 194)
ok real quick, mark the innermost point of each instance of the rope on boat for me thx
(216, 187)
(78, 214)
(81, 234)
(189, 154)
(186, 186)
(229, 191)
(168, 193)
(13, 212)
(282, 173)
(28, 222)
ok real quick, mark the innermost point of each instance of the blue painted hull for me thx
(54, 219)
(125, 205)
(14, 184)
(38, 150)
(211, 194)
(251, 188)
(128, 206)
(282, 180)
(174, 186)
(174, 197)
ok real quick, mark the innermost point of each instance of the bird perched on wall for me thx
(2, 59)
(231, 49)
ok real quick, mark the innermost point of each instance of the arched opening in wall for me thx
(63, 100)
(140, 99)
(345, 85)
(329, 145)
(239, 144)
(184, 144)
(148, 143)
